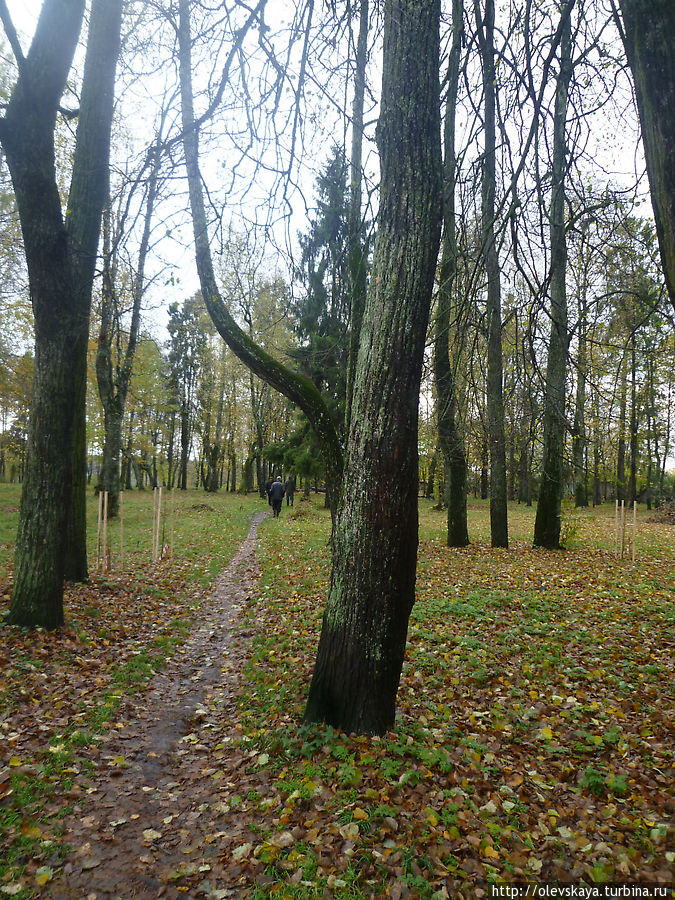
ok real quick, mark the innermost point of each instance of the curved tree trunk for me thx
(365, 623)
(297, 388)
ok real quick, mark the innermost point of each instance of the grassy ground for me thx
(534, 732)
(535, 716)
(60, 691)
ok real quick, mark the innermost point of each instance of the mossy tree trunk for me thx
(360, 654)
(355, 237)
(549, 506)
(649, 39)
(60, 258)
(449, 434)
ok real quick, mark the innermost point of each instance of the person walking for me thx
(290, 490)
(277, 492)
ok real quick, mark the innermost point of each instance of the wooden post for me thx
(106, 561)
(154, 523)
(98, 531)
(173, 515)
(634, 535)
(158, 554)
(121, 507)
(616, 527)
(623, 528)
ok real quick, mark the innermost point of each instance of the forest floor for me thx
(153, 747)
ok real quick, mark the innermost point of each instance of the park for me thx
(533, 738)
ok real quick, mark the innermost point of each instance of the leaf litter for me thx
(533, 740)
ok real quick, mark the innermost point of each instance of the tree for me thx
(449, 435)
(296, 387)
(188, 341)
(548, 519)
(60, 256)
(114, 361)
(364, 628)
(648, 34)
(495, 399)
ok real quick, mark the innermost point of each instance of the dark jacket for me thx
(277, 491)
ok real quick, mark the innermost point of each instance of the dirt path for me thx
(149, 820)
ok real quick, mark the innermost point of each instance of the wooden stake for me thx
(159, 523)
(623, 528)
(154, 523)
(634, 535)
(122, 531)
(106, 561)
(98, 532)
(173, 515)
(616, 528)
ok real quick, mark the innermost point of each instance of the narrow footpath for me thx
(155, 818)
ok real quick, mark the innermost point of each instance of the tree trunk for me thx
(632, 484)
(372, 588)
(495, 399)
(297, 388)
(579, 430)
(621, 452)
(649, 39)
(449, 436)
(60, 257)
(88, 194)
(548, 518)
(113, 380)
(356, 243)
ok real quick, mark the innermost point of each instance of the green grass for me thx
(131, 622)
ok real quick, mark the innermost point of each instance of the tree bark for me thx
(621, 452)
(88, 195)
(356, 243)
(495, 399)
(649, 39)
(365, 623)
(60, 257)
(579, 430)
(449, 435)
(632, 482)
(548, 518)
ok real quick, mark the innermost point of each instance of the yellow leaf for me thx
(490, 852)
(546, 733)
(360, 813)
(43, 875)
(15, 761)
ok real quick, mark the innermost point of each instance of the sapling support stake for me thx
(98, 531)
(173, 514)
(154, 523)
(122, 532)
(106, 559)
